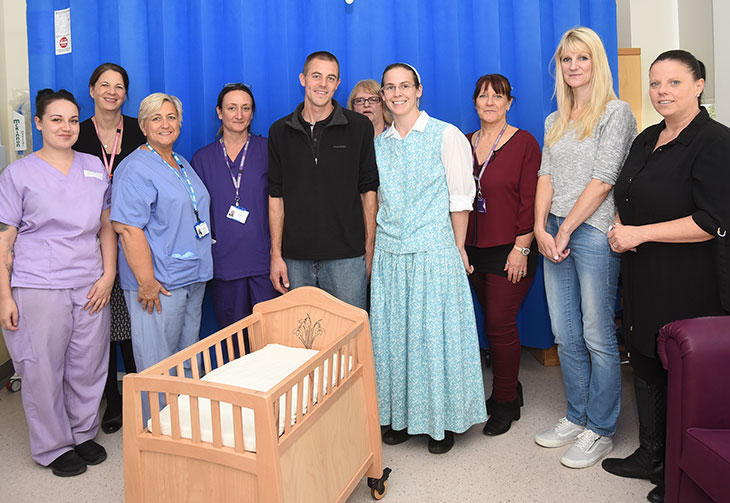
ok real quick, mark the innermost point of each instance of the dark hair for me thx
(236, 86)
(109, 66)
(694, 65)
(499, 84)
(325, 55)
(47, 96)
(405, 66)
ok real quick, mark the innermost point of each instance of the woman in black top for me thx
(111, 136)
(672, 220)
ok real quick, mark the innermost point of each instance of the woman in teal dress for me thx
(424, 335)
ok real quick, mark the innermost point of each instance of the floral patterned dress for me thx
(422, 318)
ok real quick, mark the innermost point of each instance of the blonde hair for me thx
(152, 104)
(370, 86)
(581, 39)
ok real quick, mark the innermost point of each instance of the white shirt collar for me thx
(419, 125)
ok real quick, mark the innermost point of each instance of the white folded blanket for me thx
(258, 371)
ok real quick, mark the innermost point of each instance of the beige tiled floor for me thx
(508, 468)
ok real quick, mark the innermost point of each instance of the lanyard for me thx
(491, 152)
(236, 180)
(109, 163)
(188, 184)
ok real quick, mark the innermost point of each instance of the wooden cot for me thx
(321, 457)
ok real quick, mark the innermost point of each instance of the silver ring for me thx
(521, 273)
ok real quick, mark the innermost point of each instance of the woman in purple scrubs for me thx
(58, 256)
(234, 169)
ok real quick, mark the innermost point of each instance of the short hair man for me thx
(322, 183)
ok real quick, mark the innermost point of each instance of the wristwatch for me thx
(523, 251)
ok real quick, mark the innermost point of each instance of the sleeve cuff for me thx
(460, 203)
(705, 222)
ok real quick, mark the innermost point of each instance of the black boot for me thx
(520, 398)
(501, 417)
(656, 495)
(647, 462)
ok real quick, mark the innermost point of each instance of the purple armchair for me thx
(696, 353)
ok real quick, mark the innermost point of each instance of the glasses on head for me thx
(373, 100)
(403, 86)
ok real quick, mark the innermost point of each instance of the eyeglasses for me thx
(373, 100)
(403, 86)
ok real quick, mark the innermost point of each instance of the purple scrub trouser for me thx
(234, 300)
(62, 354)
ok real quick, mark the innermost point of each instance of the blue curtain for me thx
(191, 48)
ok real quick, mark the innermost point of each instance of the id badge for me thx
(237, 213)
(201, 229)
(481, 204)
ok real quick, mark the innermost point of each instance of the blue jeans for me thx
(581, 295)
(156, 336)
(344, 278)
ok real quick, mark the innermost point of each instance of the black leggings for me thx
(111, 389)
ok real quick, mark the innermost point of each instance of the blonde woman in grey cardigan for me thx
(586, 142)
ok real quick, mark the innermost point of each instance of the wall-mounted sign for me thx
(62, 19)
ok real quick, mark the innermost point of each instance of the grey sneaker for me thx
(587, 450)
(561, 434)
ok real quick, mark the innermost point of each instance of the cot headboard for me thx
(305, 317)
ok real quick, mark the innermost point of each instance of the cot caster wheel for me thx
(378, 487)
(13, 385)
(378, 496)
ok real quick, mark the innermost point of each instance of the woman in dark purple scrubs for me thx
(234, 169)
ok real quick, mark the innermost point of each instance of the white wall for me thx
(654, 29)
(13, 66)
(721, 17)
(13, 76)
(696, 36)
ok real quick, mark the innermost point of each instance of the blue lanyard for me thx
(236, 181)
(188, 185)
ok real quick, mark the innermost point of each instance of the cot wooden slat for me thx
(300, 401)
(153, 398)
(340, 363)
(195, 419)
(215, 410)
(206, 361)
(238, 428)
(241, 345)
(287, 411)
(310, 397)
(194, 367)
(218, 355)
(174, 417)
(229, 347)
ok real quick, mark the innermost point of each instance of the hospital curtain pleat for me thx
(191, 48)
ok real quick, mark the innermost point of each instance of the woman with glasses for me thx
(234, 169)
(424, 334)
(365, 99)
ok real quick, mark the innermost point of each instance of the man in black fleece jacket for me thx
(322, 183)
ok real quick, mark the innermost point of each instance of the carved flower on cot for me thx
(307, 331)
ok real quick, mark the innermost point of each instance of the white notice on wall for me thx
(62, 20)
(18, 132)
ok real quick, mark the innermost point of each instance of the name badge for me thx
(201, 229)
(237, 213)
(481, 204)
(93, 174)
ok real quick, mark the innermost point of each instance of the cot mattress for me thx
(258, 371)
